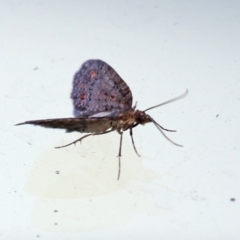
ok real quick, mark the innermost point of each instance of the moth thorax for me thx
(127, 120)
(141, 117)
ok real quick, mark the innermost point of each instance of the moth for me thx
(102, 104)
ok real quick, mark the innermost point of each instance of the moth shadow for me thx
(87, 169)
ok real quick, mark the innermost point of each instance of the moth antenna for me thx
(160, 128)
(169, 101)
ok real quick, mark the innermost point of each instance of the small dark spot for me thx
(232, 199)
(57, 172)
(55, 224)
(36, 68)
(112, 98)
(83, 96)
(217, 115)
(55, 210)
(38, 236)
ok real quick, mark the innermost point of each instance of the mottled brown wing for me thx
(98, 88)
(83, 125)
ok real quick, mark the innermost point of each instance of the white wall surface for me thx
(159, 48)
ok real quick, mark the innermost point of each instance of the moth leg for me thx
(119, 154)
(74, 142)
(131, 134)
(80, 139)
(168, 130)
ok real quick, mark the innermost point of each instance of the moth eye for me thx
(93, 74)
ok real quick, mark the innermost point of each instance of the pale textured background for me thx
(160, 48)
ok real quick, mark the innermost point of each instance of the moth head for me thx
(141, 117)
